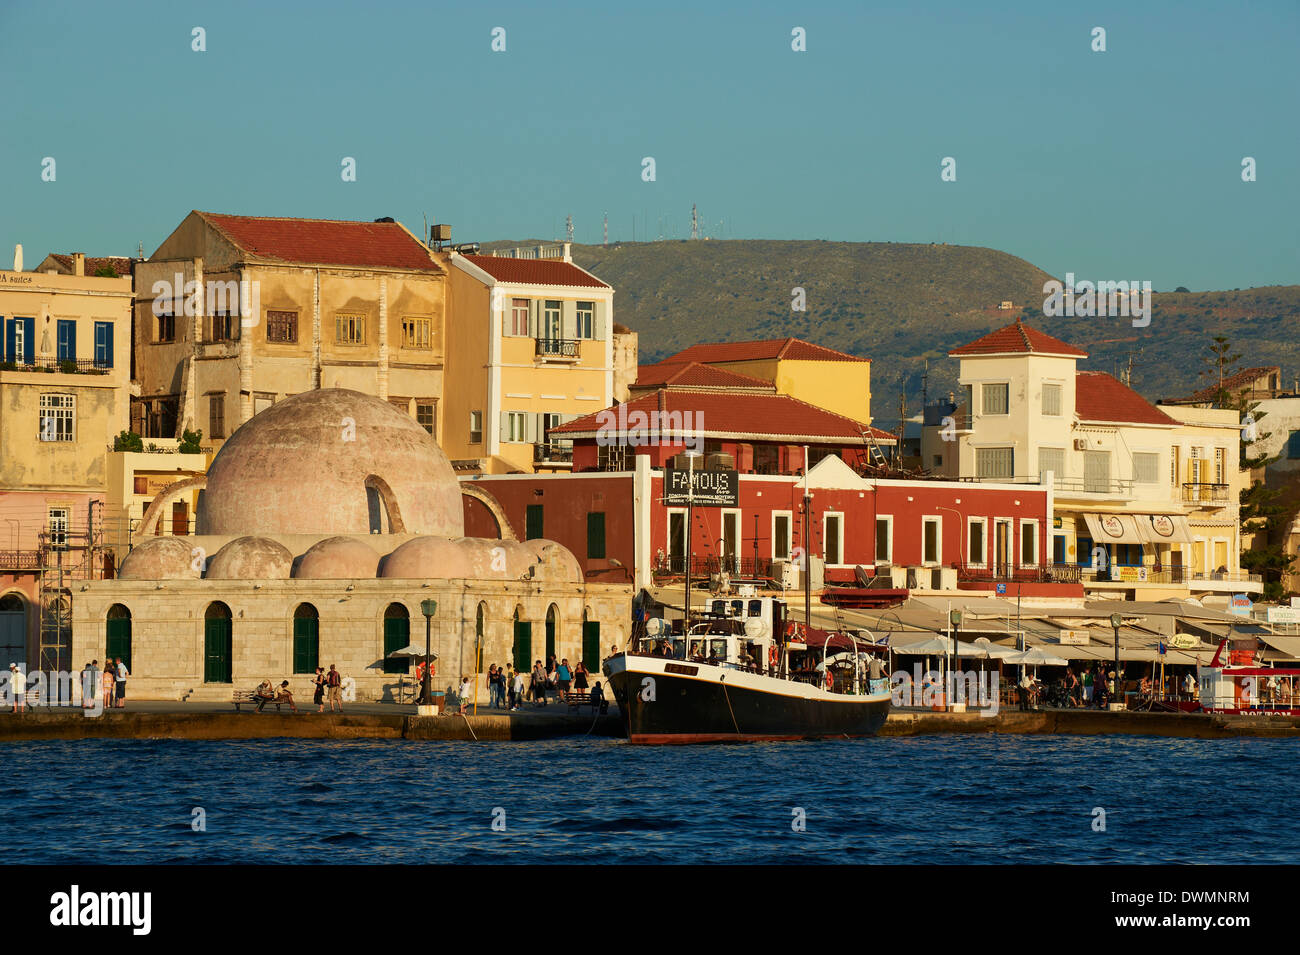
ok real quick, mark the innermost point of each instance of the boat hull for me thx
(699, 703)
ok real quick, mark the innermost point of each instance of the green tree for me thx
(190, 441)
(128, 441)
(1221, 364)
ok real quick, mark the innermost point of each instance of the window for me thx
(103, 344)
(968, 392)
(994, 462)
(261, 401)
(534, 522)
(1146, 467)
(1173, 466)
(219, 327)
(1052, 400)
(931, 546)
(1218, 466)
(977, 541)
(833, 535)
(417, 333)
(596, 535)
(66, 332)
(282, 327)
(350, 329)
(518, 317)
(551, 320)
(884, 539)
(1028, 543)
(515, 425)
(306, 639)
(586, 319)
(938, 461)
(677, 540)
(217, 416)
(166, 323)
(58, 415)
(1051, 459)
(1293, 445)
(1196, 466)
(476, 427)
(994, 399)
(397, 634)
(426, 412)
(781, 535)
(58, 524)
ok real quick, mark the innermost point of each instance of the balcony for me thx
(557, 349)
(1006, 573)
(553, 454)
(1207, 495)
(15, 560)
(63, 366)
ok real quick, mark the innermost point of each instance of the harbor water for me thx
(987, 799)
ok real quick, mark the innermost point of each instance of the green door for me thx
(119, 640)
(523, 645)
(306, 644)
(550, 638)
(397, 634)
(216, 650)
(533, 523)
(591, 645)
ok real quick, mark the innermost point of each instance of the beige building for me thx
(1145, 499)
(64, 392)
(533, 345)
(235, 313)
(324, 524)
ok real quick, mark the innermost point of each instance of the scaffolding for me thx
(64, 555)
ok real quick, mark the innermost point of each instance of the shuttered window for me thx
(995, 462)
(596, 535)
(1051, 459)
(994, 399)
(1146, 467)
(1052, 400)
(533, 523)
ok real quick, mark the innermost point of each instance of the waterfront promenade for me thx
(174, 720)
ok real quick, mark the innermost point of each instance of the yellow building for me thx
(64, 393)
(821, 376)
(532, 345)
(235, 313)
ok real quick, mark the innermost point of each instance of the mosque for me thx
(323, 523)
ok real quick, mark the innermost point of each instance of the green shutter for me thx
(596, 535)
(533, 523)
(306, 644)
(523, 645)
(591, 645)
(119, 640)
(216, 650)
(397, 634)
(550, 639)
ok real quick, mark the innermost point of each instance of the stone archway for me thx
(166, 496)
(389, 501)
(488, 500)
(13, 629)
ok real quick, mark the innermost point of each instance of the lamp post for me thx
(690, 516)
(1116, 620)
(428, 608)
(954, 619)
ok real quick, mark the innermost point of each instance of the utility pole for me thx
(568, 227)
(695, 222)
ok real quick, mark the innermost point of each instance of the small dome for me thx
(163, 558)
(555, 561)
(437, 558)
(337, 558)
(251, 558)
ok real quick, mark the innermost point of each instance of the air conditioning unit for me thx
(1081, 444)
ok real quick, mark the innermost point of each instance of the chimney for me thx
(79, 264)
(18, 258)
(568, 252)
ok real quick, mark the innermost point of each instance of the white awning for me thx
(1114, 529)
(1166, 528)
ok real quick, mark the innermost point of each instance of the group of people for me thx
(110, 682)
(328, 684)
(509, 689)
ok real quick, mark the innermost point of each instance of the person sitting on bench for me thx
(284, 696)
(263, 695)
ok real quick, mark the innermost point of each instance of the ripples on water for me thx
(920, 800)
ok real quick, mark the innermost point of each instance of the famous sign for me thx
(712, 488)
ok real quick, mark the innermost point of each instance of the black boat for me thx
(744, 676)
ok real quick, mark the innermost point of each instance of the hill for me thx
(900, 303)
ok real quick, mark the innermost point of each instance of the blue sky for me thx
(1123, 164)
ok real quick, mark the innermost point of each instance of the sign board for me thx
(1002, 590)
(1240, 605)
(1284, 614)
(1128, 573)
(1295, 602)
(1073, 638)
(712, 488)
(1184, 641)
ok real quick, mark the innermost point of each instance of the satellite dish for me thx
(860, 574)
(755, 629)
(655, 626)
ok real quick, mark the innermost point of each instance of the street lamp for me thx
(428, 608)
(954, 620)
(690, 512)
(1116, 620)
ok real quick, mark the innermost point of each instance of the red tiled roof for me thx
(790, 349)
(761, 417)
(1100, 397)
(120, 264)
(1018, 338)
(1241, 381)
(535, 271)
(692, 374)
(325, 241)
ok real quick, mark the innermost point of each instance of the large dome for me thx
(331, 461)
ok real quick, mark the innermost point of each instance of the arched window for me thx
(118, 635)
(306, 639)
(552, 628)
(397, 634)
(479, 636)
(218, 643)
(523, 649)
(13, 631)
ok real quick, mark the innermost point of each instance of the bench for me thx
(579, 700)
(249, 697)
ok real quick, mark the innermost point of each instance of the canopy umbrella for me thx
(411, 650)
(932, 646)
(982, 648)
(1035, 656)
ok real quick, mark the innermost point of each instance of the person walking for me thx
(464, 694)
(90, 685)
(120, 672)
(319, 696)
(580, 677)
(563, 676)
(17, 688)
(335, 683)
(510, 687)
(110, 682)
(1087, 687)
(518, 690)
(539, 684)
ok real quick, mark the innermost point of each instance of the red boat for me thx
(1243, 688)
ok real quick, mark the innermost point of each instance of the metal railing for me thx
(1206, 493)
(557, 348)
(703, 565)
(553, 453)
(1006, 573)
(65, 366)
(20, 560)
(530, 252)
(1067, 484)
